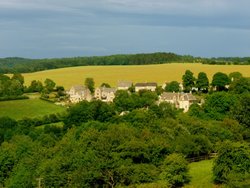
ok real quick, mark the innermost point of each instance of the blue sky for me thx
(63, 28)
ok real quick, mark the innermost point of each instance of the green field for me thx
(201, 174)
(31, 108)
(136, 73)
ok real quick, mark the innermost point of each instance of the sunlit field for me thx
(139, 73)
(30, 108)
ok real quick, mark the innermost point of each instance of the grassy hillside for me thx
(19, 109)
(201, 173)
(136, 73)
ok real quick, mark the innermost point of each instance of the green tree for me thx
(218, 105)
(241, 110)
(220, 80)
(105, 85)
(15, 88)
(232, 166)
(49, 85)
(19, 77)
(173, 86)
(241, 85)
(175, 170)
(233, 76)
(35, 86)
(188, 80)
(90, 84)
(202, 82)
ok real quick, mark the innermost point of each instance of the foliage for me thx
(89, 111)
(220, 80)
(17, 64)
(49, 85)
(241, 110)
(188, 80)
(35, 86)
(105, 85)
(144, 146)
(232, 165)
(19, 77)
(233, 76)
(125, 101)
(202, 82)
(90, 84)
(218, 105)
(11, 87)
(241, 85)
(172, 87)
(10, 65)
(175, 170)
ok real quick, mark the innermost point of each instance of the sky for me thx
(68, 28)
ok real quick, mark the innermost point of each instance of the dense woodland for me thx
(22, 65)
(132, 142)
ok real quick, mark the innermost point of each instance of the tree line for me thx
(23, 65)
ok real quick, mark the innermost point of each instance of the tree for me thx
(232, 166)
(220, 80)
(105, 85)
(235, 76)
(241, 85)
(19, 77)
(15, 88)
(202, 82)
(90, 84)
(35, 86)
(218, 105)
(188, 81)
(49, 84)
(241, 110)
(175, 170)
(173, 86)
(60, 91)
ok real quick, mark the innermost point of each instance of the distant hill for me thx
(24, 65)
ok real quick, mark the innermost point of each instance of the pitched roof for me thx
(191, 97)
(152, 84)
(108, 90)
(78, 88)
(124, 84)
(170, 96)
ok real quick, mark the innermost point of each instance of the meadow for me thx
(137, 73)
(30, 108)
(201, 174)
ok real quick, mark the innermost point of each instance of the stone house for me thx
(105, 94)
(79, 93)
(151, 86)
(124, 85)
(179, 100)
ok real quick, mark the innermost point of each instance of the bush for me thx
(232, 166)
(8, 98)
(175, 170)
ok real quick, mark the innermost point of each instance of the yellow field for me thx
(139, 73)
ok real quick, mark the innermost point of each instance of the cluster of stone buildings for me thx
(179, 100)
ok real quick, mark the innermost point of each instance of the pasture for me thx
(137, 73)
(201, 174)
(30, 108)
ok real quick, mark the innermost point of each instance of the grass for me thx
(201, 174)
(59, 125)
(31, 108)
(136, 73)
